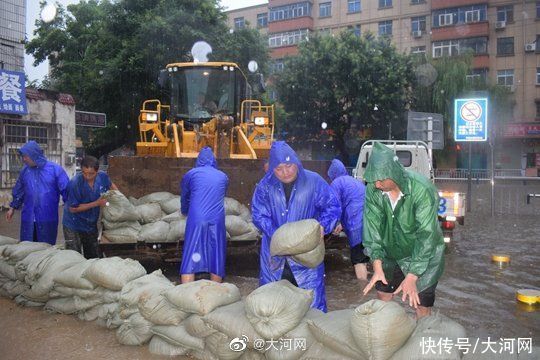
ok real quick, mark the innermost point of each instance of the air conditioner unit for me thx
(500, 25)
(530, 47)
(417, 33)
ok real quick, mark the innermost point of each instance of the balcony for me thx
(460, 31)
(276, 3)
(281, 52)
(480, 61)
(305, 22)
(443, 4)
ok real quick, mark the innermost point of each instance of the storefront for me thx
(523, 139)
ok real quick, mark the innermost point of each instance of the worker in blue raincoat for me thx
(351, 194)
(290, 193)
(38, 190)
(203, 191)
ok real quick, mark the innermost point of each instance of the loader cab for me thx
(200, 91)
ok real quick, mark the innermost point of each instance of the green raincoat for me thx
(410, 235)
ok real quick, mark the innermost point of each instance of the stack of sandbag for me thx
(120, 219)
(189, 304)
(300, 239)
(13, 283)
(432, 329)
(109, 276)
(7, 271)
(238, 221)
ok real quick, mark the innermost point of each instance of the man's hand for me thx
(9, 214)
(378, 275)
(338, 229)
(101, 202)
(408, 286)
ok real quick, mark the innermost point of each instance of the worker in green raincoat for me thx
(401, 232)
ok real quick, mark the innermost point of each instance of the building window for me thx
(325, 9)
(353, 6)
(538, 9)
(461, 15)
(505, 46)
(385, 4)
(385, 28)
(418, 50)
(446, 19)
(324, 32)
(417, 2)
(262, 20)
(538, 109)
(477, 76)
(505, 13)
(418, 23)
(476, 45)
(277, 66)
(239, 23)
(472, 16)
(287, 38)
(445, 48)
(357, 30)
(290, 11)
(505, 78)
(538, 76)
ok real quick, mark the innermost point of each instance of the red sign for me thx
(522, 130)
(91, 119)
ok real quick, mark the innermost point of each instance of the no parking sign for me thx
(470, 119)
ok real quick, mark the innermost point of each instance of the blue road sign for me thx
(470, 119)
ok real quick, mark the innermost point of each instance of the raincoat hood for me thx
(384, 164)
(336, 170)
(282, 153)
(206, 158)
(34, 152)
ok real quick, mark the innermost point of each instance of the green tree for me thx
(108, 53)
(344, 81)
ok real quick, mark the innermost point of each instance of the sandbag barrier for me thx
(156, 218)
(207, 320)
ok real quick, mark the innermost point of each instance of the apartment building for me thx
(502, 34)
(12, 33)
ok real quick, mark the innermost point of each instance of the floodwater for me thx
(473, 291)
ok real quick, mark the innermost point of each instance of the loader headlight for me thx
(149, 116)
(259, 121)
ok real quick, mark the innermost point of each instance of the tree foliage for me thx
(345, 81)
(108, 53)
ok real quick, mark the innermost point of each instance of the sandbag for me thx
(100, 311)
(313, 258)
(149, 213)
(32, 266)
(16, 252)
(195, 326)
(158, 346)
(83, 304)
(15, 288)
(7, 270)
(232, 321)
(113, 273)
(320, 352)
(177, 230)
(252, 355)
(235, 225)
(133, 224)
(111, 323)
(252, 235)
(301, 337)
(435, 327)
(158, 310)
(219, 344)
(119, 208)
(234, 207)
(126, 235)
(134, 331)
(6, 240)
(22, 301)
(296, 237)
(177, 335)
(202, 296)
(334, 332)
(154, 232)
(171, 205)
(204, 354)
(276, 308)
(64, 305)
(175, 216)
(57, 262)
(380, 328)
(72, 276)
(133, 200)
(143, 286)
(155, 197)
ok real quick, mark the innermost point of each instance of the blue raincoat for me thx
(311, 198)
(203, 191)
(38, 190)
(351, 194)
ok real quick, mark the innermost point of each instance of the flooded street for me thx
(473, 291)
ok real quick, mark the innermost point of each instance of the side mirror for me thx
(163, 77)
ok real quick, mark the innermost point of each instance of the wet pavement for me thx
(473, 291)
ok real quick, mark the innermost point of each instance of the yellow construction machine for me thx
(210, 105)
